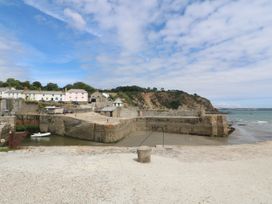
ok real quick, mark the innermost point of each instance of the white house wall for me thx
(77, 96)
(71, 96)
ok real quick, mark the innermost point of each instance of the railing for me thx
(154, 129)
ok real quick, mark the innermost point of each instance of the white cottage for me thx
(118, 103)
(3, 91)
(44, 95)
(76, 95)
(14, 94)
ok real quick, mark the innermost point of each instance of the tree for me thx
(81, 85)
(174, 104)
(25, 85)
(51, 87)
(36, 85)
(11, 82)
(68, 86)
(129, 89)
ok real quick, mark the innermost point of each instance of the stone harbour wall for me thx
(4, 131)
(208, 125)
(9, 120)
(28, 119)
(76, 128)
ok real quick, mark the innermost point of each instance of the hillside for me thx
(145, 98)
(153, 99)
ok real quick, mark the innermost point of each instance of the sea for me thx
(251, 126)
(249, 116)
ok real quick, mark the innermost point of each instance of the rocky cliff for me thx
(166, 100)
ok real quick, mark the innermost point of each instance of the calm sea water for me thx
(249, 116)
(252, 125)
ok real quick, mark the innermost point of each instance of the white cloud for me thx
(76, 20)
(220, 49)
(11, 49)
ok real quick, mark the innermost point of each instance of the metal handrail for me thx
(163, 136)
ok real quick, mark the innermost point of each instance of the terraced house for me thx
(72, 95)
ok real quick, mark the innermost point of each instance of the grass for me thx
(4, 149)
(29, 128)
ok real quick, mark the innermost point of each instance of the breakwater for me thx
(208, 125)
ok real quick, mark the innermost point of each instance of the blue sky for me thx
(221, 49)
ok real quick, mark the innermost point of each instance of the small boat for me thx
(46, 134)
(40, 139)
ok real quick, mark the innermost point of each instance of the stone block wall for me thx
(72, 127)
(9, 120)
(208, 125)
(4, 131)
(165, 113)
(129, 112)
(25, 119)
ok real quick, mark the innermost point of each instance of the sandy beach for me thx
(177, 174)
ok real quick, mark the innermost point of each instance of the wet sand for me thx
(176, 174)
(251, 133)
(242, 135)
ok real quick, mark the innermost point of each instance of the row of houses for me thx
(72, 95)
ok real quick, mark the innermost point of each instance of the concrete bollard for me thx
(144, 154)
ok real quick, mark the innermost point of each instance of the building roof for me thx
(5, 89)
(106, 95)
(77, 90)
(118, 100)
(32, 91)
(42, 92)
(15, 91)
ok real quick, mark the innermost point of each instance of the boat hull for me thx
(41, 135)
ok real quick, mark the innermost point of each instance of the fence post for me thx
(162, 137)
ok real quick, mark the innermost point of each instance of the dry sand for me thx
(191, 174)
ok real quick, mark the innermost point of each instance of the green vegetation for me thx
(133, 88)
(127, 96)
(36, 85)
(174, 104)
(132, 95)
(29, 128)
(4, 149)
(80, 85)
(129, 89)
(160, 99)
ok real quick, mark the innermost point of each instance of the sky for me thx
(219, 49)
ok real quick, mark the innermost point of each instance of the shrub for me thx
(29, 128)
